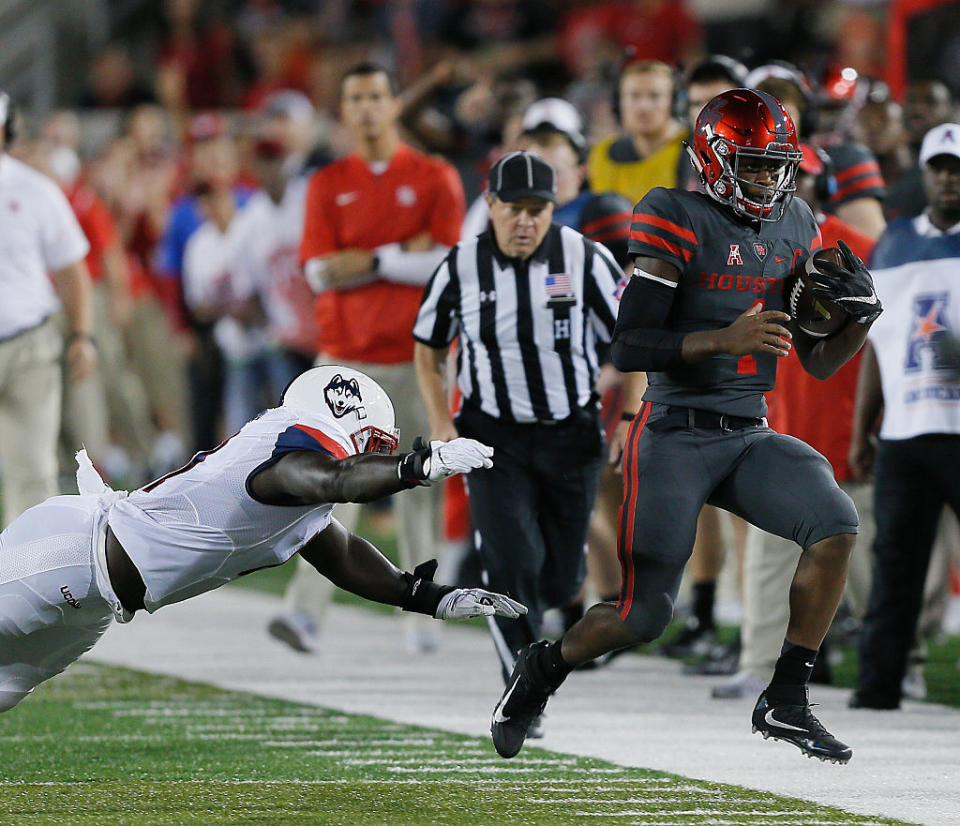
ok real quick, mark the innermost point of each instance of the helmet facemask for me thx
(738, 134)
(750, 198)
(766, 202)
(372, 439)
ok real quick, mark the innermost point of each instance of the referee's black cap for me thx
(521, 175)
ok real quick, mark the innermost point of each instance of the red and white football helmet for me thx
(355, 401)
(738, 127)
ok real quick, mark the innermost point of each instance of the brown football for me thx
(816, 317)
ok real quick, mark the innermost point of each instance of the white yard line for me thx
(638, 712)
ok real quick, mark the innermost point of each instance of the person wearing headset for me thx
(648, 152)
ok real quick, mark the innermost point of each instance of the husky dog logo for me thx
(343, 396)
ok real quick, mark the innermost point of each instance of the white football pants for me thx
(54, 599)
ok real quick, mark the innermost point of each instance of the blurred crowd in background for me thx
(193, 112)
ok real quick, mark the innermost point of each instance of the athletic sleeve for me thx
(437, 321)
(662, 229)
(318, 228)
(449, 206)
(857, 174)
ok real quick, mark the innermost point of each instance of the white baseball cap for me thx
(941, 140)
(558, 113)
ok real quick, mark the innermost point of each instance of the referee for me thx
(529, 300)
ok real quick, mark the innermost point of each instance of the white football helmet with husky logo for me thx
(357, 403)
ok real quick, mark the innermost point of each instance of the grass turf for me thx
(107, 745)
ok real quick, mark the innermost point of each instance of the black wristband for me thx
(410, 469)
(423, 595)
(627, 417)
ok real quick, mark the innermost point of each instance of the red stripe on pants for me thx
(628, 511)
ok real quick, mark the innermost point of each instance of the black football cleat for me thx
(517, 715)
(796, 724)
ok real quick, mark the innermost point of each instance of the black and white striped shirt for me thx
(528, 330)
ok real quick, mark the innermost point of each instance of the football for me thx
(816, 317)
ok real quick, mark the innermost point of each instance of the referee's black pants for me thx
(914, 478)
(531, 511)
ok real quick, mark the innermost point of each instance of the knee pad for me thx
(650, 614)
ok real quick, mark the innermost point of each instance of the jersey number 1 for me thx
(746, 364)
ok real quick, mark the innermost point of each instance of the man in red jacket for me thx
(377, 224)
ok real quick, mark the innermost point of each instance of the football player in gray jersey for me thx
(704, 316)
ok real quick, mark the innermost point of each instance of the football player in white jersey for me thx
(72, 564)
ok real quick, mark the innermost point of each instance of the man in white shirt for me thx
(268, 261)
(910, 369)
(216, 293)
(39, 238)
(74, 563)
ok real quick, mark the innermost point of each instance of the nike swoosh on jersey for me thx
(778, 260)
(773, 721)
(345, 198)
(497, 714)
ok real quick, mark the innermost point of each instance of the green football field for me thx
(101, 745)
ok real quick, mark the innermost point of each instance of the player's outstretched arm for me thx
(307, 477)
(355, 565)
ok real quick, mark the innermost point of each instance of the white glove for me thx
(456, 456)
(463, 603)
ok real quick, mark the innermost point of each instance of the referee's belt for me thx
(708, 419)
(587, 413)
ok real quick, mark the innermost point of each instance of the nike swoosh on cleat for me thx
(497, 715)
(773, 721)
(809, 665)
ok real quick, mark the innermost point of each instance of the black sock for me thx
(571, 614)
(551, 664)
(792, 674)
(704, 594)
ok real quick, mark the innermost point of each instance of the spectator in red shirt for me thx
(377, 224)
(649, 29)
